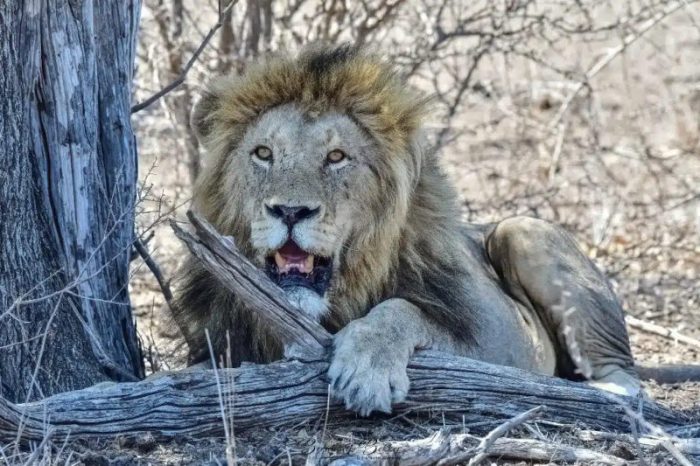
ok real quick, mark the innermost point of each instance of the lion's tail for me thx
(669, 373)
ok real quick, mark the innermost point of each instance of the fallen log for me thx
(197, 403)
(187, 403)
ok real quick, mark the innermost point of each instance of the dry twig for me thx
(537, 450)
(155, 270)
(686, 446)
(223, 12)
(432, 450)
(482, 450)
(662, 331)
(603, 62)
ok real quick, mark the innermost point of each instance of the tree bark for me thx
(67, 191)
(189, 403)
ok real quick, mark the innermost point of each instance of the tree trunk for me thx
(67, 191)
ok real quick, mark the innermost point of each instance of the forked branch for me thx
(223, 15)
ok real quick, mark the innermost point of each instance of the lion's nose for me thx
(291, 215)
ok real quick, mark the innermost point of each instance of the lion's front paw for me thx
(368, 371)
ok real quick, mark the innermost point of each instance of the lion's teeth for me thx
(280, 261)
(287, 264)
(309, 264)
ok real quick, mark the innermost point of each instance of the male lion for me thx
(317, 169)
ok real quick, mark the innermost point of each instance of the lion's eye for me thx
(263, 153)
(336, 156)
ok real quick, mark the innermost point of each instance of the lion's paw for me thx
(368, 372)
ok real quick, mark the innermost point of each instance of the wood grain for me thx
(187, 403)
(67, 191)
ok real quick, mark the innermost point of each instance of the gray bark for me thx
(188, 403)
(68, 171)
(254, 33)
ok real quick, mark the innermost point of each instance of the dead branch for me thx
(187, 403)
(603, 62)
(686, 446)
(223, 14)
(140, 247)
(482, 450)
(538, 450)
(662, 331)
(221, 257)
(436, 448)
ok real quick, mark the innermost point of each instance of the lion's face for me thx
(307, 185)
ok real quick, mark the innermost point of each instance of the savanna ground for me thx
(583, 113)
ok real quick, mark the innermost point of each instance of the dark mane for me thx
(322, 60)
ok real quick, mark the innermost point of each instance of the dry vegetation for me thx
(585, 113)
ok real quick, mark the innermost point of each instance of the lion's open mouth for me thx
(292, 266)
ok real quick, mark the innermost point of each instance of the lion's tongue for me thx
(291, 256)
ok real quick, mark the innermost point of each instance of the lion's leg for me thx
(541, 266)
(370, 355)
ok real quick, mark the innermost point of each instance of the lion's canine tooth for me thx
(280, 261)
(309, 263)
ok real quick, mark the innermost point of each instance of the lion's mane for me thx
(410, 246)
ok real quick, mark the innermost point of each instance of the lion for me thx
(318, 168)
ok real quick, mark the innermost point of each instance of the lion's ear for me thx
(202, 117)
